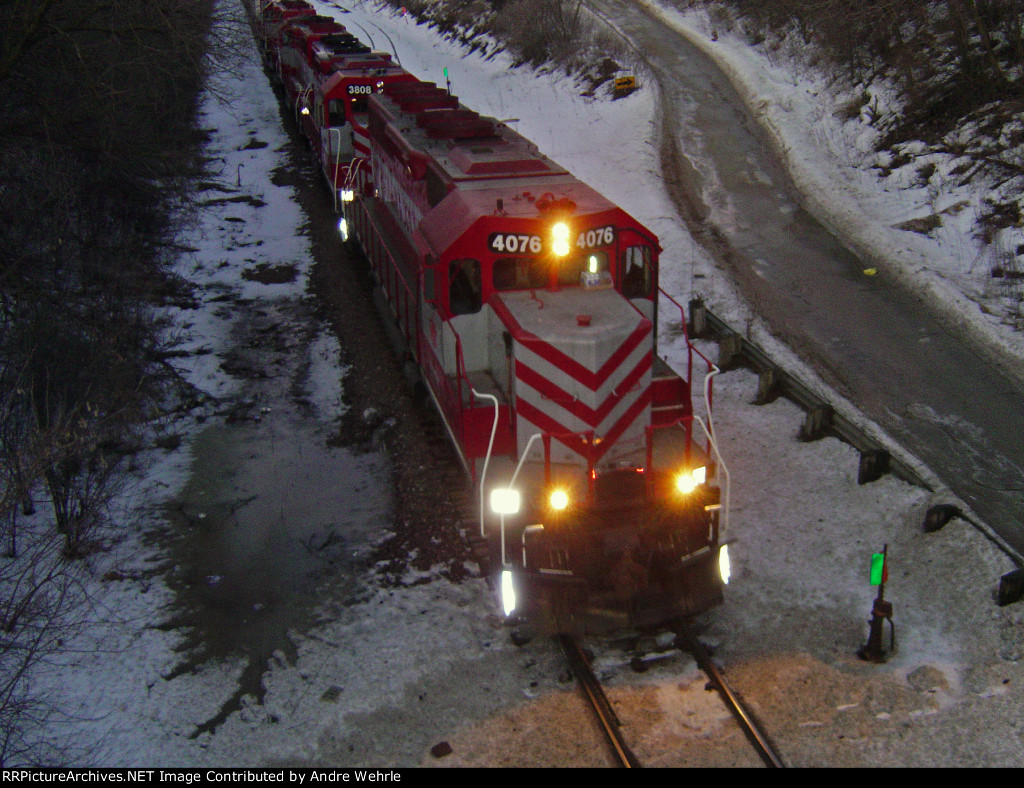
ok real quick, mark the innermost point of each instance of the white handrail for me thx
(337, 163)
(707, 396)
(487, 460)
(522, 459)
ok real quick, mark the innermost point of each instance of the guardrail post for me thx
(698, 318)
(937, 516)
(874, 464)
(816, 422)
(730, 349)
(1011, 587)
(768, 380)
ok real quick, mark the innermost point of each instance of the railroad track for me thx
(750, 726)
(594, 692)
(609, 723)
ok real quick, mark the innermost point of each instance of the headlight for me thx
(688, 481)
(558, 500)
(560, 234)
(508, 592)
(724, 568)
(343, 229)
(504, 500)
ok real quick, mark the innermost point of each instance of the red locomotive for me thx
(268, 17)
(527, 303)
(333, 108)
(295, 62)
(327, 75)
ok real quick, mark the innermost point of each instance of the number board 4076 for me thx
(514, 243)
(599, 236)
(525, 243)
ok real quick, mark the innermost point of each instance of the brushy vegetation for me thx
(956, 69)
(559, 34)
(949, 59)
(98, 102)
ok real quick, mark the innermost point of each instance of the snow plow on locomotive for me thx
(526, 303)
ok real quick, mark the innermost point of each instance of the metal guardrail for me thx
(821, 418)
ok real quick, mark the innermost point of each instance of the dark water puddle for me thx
(278, 520)
(271, 523)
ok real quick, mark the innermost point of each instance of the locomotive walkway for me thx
(906, 367)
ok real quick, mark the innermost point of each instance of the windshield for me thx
(530, 273)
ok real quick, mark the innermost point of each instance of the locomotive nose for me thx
(582, 361)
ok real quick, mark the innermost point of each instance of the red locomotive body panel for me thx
(272, 16)
(295, 55)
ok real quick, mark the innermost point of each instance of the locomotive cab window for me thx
(360, 104)
(571, 271)
(520, 273)
(464, 287)
(532, 273)
(336, 112)
(359, 100)
(637, 272)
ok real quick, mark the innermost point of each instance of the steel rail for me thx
(751, 728)
(598, 701)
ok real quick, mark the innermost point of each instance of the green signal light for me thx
(878, 571)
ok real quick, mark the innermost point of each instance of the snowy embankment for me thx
(833, 164)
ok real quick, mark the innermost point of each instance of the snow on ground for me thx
(380, 680)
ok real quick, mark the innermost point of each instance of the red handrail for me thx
(691, 349)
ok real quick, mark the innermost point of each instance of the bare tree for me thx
(35, 618)
(556, 31)
(97, 142)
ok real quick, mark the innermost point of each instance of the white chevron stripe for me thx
(570, 421)
(630, 446)
(565, 381)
